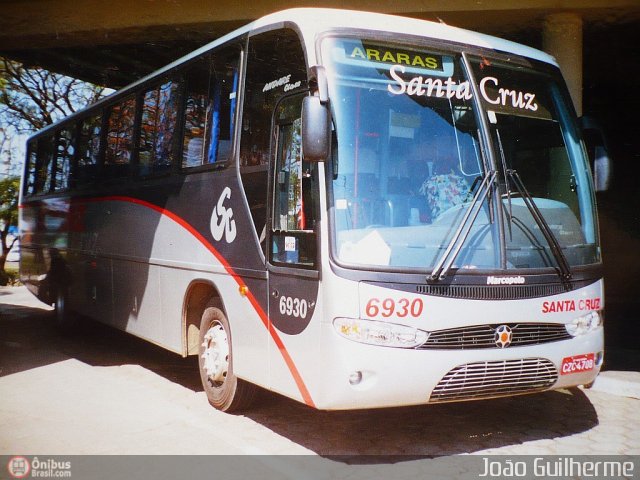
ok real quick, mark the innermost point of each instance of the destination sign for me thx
(394, 56)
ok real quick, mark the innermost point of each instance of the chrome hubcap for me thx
(215, 354)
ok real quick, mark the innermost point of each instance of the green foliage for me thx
(9, 190)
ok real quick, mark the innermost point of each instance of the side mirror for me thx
(316, 130)
(601, 169)
(596, 144)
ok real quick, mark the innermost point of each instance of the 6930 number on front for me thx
(394, 307)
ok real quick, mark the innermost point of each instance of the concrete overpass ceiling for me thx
(113, 43)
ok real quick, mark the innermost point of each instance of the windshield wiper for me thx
(556, 249)
(443, 266)
(509, 214)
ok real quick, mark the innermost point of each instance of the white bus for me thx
(350, 209)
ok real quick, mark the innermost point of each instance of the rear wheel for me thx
(224, 390)
(65, 320)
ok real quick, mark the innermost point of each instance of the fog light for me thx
(599, 358)
(355, 378)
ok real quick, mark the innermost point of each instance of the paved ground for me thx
(101, 391)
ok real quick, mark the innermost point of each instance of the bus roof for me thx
(317, 20)
(314, 21)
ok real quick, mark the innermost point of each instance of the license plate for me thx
(577, 364)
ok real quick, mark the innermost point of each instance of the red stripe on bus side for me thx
(306, 396)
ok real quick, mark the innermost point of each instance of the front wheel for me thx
(224, 390)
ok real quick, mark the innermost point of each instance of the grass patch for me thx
(10, 276)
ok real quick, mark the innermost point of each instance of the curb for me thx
(614, 382)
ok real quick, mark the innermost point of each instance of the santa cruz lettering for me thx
(420, 86)
(504, 97)
(428, 87)
(584, 304)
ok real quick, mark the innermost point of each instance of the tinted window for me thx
(158, 126)
(44, 163)
(88, 148)
(30, 167)
(64, 159)
(119, 140)
(210, 106)
(195, 114)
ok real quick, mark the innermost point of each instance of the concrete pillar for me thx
(562, 38)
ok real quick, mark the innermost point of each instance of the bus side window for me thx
(210, 108)
(31, 168)
(221, 110)
(64, 158)
(195, 113)
(88, 150)
(158, 125)
(46, 151)
(119, 143)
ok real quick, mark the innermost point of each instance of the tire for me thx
(65, 320)
(224, 390)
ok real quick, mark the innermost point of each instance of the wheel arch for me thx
(199, 295)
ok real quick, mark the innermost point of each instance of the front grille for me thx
(496, 292)
(483, 336)
(479, 380)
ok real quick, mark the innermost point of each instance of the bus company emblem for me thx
(491, 280)
(222, 222)
(503, 336)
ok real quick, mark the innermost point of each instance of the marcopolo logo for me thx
(491, 280)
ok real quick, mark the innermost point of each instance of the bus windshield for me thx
(412, 175)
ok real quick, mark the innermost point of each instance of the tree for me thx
(30, 99)
(9, 188)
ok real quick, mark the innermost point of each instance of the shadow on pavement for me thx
(28, 340)
(402, 434)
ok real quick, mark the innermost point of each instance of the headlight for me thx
(380, 333)
(584, 324)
